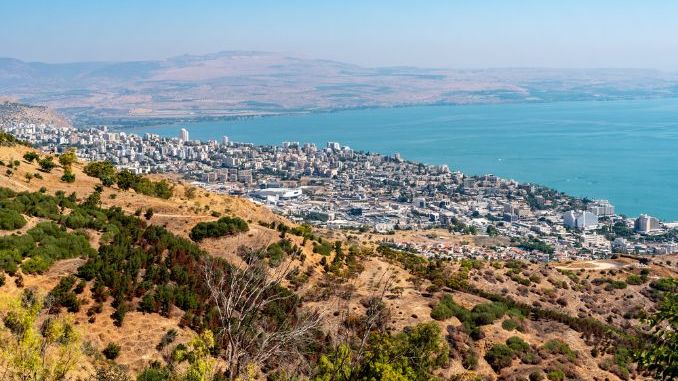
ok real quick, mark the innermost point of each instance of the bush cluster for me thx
(225, 226)
(126, 179)
(11, 220)
(481, 314)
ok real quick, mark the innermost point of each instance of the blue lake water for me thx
(624, 151)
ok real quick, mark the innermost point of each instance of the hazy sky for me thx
(444, 33)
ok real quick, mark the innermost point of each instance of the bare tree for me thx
(354, 336)
(240, 296)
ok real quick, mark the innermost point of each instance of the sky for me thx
(428, 33)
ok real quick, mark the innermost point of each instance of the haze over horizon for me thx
(481, 34)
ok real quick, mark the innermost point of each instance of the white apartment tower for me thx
(183, 135)
(601, 208)
(580, 220)
(646, 224)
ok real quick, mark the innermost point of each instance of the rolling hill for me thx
(236, 83)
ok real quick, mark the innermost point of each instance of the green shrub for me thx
(47, 164)
(509, 324)
(225, 226)
(149, 213)
(277, 251)
(11, 220)
(517, 344)
(556, 375)
(634, 280)
(470, 360)
(445, 309)
(556, 346)
(323, 248)
(9, 260)
(68, 177)
(103, 170)
(499, 356)
(112, 351)
(31, 156)
(665, 284)
(155, 373)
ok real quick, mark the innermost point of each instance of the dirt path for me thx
(591, 265)
(14, 183)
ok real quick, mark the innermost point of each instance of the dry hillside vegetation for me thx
(139, 277)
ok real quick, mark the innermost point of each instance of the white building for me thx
(647, 224)
(278, 193)
(583, 220)
(601, 208)
(183, 135)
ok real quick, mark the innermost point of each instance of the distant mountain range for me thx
(237, 83)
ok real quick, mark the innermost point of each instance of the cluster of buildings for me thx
(334, 186)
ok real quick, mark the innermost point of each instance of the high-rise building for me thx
(224, 140)
(646, 224)
(601, 208)
(580, 220)
(183, 135)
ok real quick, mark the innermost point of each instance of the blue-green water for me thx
(624, 151)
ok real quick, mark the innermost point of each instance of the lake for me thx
(623, 151)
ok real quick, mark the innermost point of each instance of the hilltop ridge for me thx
(237, 83)
(14, 112)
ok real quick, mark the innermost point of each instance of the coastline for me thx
(124, 122)
(472, 158)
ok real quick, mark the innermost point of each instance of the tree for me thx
(198, 355)
(190, 192)
(112, 351)
(31, 156)
(222, 227)
(126, 179)
(492, 231)
(149, 213)
(68, 158)
(659, 356)
(68, 176)
(103, 170)
(410, 355)
(34, 351)
(10, 219)
(47, 164)
(241, 296)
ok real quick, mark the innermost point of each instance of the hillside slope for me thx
(13, 112)
(573, 320)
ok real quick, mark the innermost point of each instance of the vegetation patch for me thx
(225, 226)
(11, 220)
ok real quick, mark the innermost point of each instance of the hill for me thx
(140, 280)
(237, 83)
(12, 112)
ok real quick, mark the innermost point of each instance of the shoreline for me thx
(159, 121)
(580, 188)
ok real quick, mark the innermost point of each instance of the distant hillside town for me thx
(337, 187)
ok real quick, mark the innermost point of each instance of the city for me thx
(337, 187)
